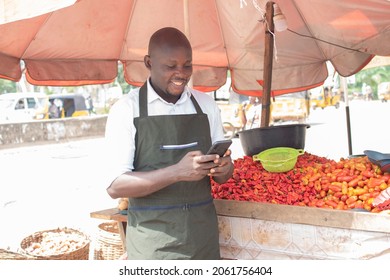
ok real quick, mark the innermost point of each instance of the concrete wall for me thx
(49, 131)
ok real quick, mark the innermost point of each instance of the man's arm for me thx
(192, 167)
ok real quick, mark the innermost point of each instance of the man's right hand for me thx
(195, 165)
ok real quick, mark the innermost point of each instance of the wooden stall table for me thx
(253, 230)
(114, 214)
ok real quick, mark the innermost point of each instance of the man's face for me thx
(170, 71)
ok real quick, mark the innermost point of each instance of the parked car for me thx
(26, 106)
(384, 91)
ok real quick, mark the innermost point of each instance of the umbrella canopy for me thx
(82, 43)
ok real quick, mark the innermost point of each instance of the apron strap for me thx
(185, 206)
(143, 102)
(196, 105)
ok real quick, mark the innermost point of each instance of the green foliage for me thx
(372, 77)
(7, 86)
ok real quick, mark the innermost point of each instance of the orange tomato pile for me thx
(315, 182)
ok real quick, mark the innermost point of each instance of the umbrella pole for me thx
(267, 69)
(347, 115)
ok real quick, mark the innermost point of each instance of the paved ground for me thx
(47, 186)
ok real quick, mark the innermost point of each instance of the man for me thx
(54, 111)
(157, 138)
(252, 112)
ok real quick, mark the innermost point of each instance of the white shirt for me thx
(120, 129)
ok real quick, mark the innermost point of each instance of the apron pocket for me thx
(178, 147)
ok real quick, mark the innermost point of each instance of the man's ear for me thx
(147, 61)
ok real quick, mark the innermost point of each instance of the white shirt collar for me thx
(152, 95)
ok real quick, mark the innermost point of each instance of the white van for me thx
(20, 107)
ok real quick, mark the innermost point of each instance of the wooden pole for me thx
(347, 115)
(267, 69)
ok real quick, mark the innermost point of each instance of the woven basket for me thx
(9, 255)
(59, 238)
(108, 243)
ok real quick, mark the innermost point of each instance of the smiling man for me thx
(157, 139)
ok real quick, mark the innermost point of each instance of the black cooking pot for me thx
(256, 140)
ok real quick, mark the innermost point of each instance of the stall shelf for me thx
(252, 230)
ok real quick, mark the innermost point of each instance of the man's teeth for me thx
(178, 83)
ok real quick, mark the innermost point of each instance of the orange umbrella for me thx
(82, 43)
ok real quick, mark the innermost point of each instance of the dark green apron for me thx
(179, 221)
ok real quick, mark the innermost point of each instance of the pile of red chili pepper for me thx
(315, 181)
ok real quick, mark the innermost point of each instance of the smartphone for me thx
(220, 147)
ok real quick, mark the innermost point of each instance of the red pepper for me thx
(345, 178)
(367, 173)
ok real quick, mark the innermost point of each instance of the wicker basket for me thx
(9, 255)
(108, 243)
(67, 235)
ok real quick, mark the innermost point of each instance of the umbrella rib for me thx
(35, 35)
(307, 26)
(127, 29)
(324, 41)
(221, 31)
(311, 36)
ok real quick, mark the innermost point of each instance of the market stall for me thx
(320, 209)
(251, 230)
(348, 36)
(313, 211)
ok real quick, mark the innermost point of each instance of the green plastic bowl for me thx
(280, 159)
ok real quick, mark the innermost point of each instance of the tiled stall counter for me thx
(268, 231)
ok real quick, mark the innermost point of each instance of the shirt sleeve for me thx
(210, 107)
(119, 141)
(216, 127)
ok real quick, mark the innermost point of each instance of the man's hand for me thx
(224, 168)
(195, 165)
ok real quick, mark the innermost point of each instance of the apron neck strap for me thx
(143, 102)
(196, 105)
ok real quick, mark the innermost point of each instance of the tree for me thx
(7, 86)
(373, 77)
